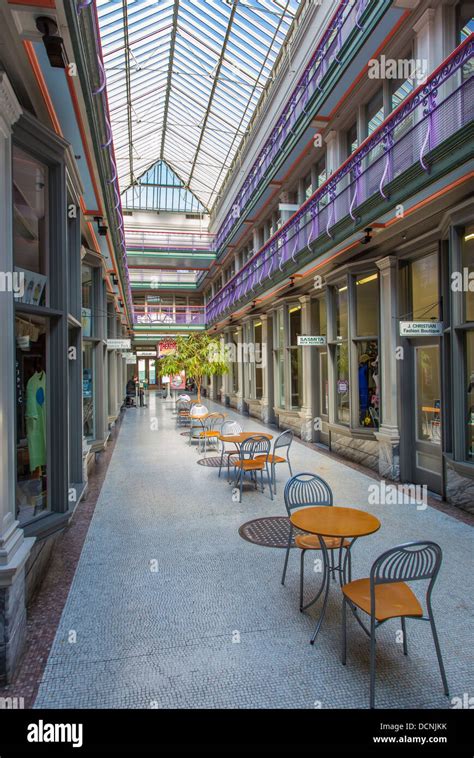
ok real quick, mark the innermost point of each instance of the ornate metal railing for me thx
(149, 240)
(347, 17)
(168, 314)
(431, 114)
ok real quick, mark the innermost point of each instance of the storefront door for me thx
(427, 467)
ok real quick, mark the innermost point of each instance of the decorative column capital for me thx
(304, 299)
(425, 21)
(10, 108)
(390, 261)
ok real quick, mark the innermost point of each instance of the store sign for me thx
(178, 381)
(131, 360)
(146, 353)
(421, 328)
(342, 386)
(305, 341)
(165, 347)
(119, 344)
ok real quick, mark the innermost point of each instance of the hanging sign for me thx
(421, 328)
(131, 360)
(315, 341)
(146, 353)
(119, 344)
(165, 347)
(178, 381)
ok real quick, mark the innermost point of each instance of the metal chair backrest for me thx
(215, 421)
(257, 444)
(306, 489)
(183, 405)
(284, 440)
(410, 562)
(230, 428)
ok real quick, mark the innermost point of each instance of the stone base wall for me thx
(365, 452)
(12, 626)
(38, 563)
(459, 490)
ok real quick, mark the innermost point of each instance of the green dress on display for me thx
(36, 419)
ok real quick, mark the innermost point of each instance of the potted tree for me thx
(199, 355)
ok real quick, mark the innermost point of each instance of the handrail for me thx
(369, 169)
(345, 18)
(169, 314)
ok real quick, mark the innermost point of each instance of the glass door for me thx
(428, 438)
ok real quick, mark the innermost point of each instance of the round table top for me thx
(335, 521)
(202, 416)
(239, 438)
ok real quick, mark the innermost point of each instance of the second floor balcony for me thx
(169, 315)
(409, 149)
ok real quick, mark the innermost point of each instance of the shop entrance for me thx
(426, 419)
(147, 372)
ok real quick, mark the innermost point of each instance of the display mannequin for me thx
(35, 416)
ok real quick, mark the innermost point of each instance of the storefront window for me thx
(341, 312)
(88, 406)
(280, 358)
(352, 141)
(257, 330)
(322, 317)
(468, 272)
(425, 288)
(470, 394)
(465, 27)
(374, 112)
(367, 305)
(296, 358)
(428, 394)
(342, 384)
(30, 225)
(32, 407)
(87, 274)
(324, 387)
(367, 325)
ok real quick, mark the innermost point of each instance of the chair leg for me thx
(438, 653)
(404, 633)
(372, 662)
(302, 579)
(289, 465)
(274, 479)
(241, 483)
(269, 479)
(285, 566)
(344, 632)
(220, 464)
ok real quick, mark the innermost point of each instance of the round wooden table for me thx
(343, 524)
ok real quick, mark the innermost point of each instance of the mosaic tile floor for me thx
(171, 608)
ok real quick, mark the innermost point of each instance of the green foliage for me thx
(198, 355)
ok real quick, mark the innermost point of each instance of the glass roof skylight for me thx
(183, 80)
(159, 187)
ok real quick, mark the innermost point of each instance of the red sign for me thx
(165, 347)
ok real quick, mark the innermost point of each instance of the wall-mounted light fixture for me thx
(368, 236)
(53, 43)
(101, 227)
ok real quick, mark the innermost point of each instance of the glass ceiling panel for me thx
(195, 70)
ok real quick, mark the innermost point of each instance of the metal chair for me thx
(197, 415)
(283, 441)
(247, 463)
(228, 428)
(301, 491)
(386, 594)
(212, 429)
(182, 410)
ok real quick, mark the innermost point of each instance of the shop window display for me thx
(88, 391)
(368, 379)
(32, 417)
(30, 225)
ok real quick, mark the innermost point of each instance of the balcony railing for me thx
(149, 240)
(432, 113)
(154, 277)
(191, 315)
(347, 17)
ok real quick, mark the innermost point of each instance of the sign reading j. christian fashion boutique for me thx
(421, 328)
